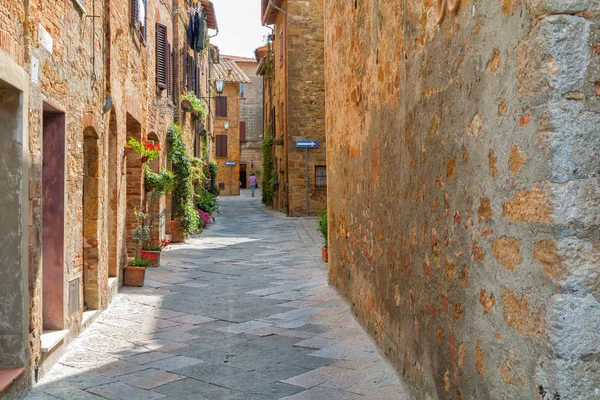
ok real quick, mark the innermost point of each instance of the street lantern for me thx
(219, 84)
(226, 125)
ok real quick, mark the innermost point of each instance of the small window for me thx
(221, 150)
(221, 185)
(242, 91)
(320, 176)
(242, 131)
(221, 106)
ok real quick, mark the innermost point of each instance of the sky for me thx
(240, 30)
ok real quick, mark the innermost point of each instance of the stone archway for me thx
(91, 219)
(135, 183)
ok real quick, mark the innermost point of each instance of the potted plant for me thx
(185, 218)
(189, 102)
(322, 229)
(149, 151)
(135, 271)
(151, 251)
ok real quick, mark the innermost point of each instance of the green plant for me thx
(196, 104)
(155, 245)
(322, 226)
(207, 202)
(138, 261)
(141, 233)
(268, 175)
(198, 175)
(159, 183)
(144, 148)
(182, 205)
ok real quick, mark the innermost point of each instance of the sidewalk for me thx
(242, 311)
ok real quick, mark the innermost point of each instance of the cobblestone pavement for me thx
(242, 311)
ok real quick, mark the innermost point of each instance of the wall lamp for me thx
(219, 85)
(226, 125)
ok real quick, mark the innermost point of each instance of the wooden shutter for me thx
(144, 31)
(242, 131)
(134, 12)
(161, 60)
(175, 67)
(169, 72)
(221, 145)
(221, 106)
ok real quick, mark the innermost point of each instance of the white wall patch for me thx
(45, 38)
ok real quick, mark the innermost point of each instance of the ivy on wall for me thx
(269, 175)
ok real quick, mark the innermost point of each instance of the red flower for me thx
(158, 147)
(143, 140)
(149, 146)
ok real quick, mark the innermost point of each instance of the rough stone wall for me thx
(229, 176)
(463, 196)
(251, 111)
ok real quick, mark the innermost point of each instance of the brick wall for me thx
(463, 192)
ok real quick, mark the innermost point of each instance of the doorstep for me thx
(8, 376)
(51, 339)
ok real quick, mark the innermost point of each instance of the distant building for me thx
(227, 123)
(294, 102)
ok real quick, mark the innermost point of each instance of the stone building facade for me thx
(77, 80)
(226, 148)
(464, 194)
(294, 100)
(251, 113)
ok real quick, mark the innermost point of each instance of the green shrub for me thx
(207, 202)
(182, 207)
(159, 183)
(269, 176)
(322, 226)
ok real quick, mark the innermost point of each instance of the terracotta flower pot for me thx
(177, 234)
(324, 253)
(186, 105)
(144, 159)
(153, 256)
(133, 276)
(127, 150)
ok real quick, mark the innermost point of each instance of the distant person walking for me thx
(253, 182)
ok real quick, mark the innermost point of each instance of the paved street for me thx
(242, 311)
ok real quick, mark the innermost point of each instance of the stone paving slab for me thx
(241, 312)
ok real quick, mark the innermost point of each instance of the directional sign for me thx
(230, 163)
(307, 144)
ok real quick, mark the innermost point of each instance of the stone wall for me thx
(251, 111)
(463, 196)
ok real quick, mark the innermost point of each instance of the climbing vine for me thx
(269, 175)
(183, 206)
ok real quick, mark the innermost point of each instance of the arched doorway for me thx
(155, 204)
(91, 194)
(135, 183)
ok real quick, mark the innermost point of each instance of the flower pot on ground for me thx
(177, 233)
(151, 255)
(133, 276)
(322, 229)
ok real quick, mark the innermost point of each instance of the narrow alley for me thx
(242, 312)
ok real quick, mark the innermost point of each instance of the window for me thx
(221, 106)
(221, 145)
(221, 186)
(320, 176)
(242, 90)
(138, 17)
(163, 56)
(242, 131)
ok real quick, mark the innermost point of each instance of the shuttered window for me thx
(139, 18)
(221, 106)
(221, 145)
(162, 57)
(169, 72)
(242, 131)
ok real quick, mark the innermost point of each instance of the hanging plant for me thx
(195, 104)
(146, 149)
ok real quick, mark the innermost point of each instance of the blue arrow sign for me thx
(230, 163)
(307, 144)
